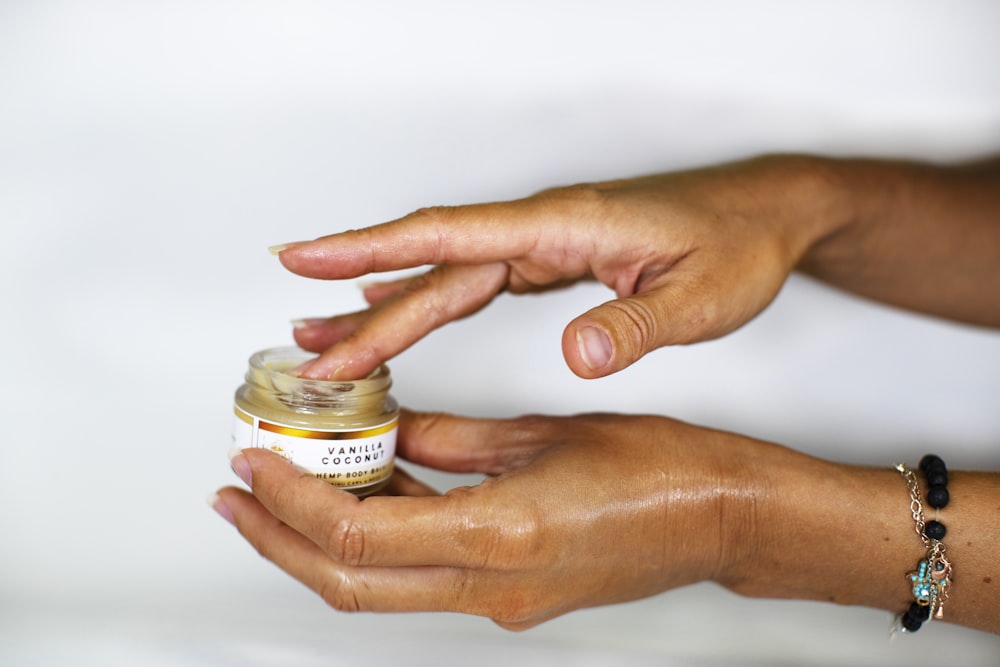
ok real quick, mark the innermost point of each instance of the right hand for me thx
(691, 256)
(575, 512)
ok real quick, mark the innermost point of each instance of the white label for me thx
(343, 458)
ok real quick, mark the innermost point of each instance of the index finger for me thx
(473, 234)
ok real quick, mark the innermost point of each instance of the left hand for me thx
(691, 256)
(577, 512)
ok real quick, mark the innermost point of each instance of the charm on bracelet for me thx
(930, 582)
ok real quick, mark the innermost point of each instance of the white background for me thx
(150, 152)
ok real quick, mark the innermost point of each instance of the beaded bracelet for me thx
(932, 578)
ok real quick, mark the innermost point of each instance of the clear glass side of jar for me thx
(272, 393)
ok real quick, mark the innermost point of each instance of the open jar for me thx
(343, 433)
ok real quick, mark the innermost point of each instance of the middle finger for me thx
(444, 294)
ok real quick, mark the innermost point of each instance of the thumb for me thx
(618, 333)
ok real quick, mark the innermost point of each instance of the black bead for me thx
(937, 497)
(935, 530)
(919, 612)
(910, 624)
(931, 462)
(937, 478)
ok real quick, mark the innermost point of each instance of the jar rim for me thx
(274, 363)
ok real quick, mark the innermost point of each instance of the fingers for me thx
(376, 292)
(442, 295)
(441, 531)
(385, 589)
(275, 541)
(505, 598)
(473, 234)
(459, 444)
(317, 334)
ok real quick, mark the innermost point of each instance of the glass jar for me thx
(343, 433)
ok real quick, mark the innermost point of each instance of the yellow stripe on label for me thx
(242, 415)
(326, 435)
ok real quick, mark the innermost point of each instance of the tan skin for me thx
(691, 256)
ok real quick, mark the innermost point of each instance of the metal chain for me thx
(916, 507)
(935, 548)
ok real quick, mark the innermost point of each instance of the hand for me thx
(578, 512)
(599, 509)
(691, 256)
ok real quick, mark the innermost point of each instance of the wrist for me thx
(860, 198)
(826, 531)
(817, 196)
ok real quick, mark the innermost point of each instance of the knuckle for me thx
(505, 540)
(337, 592)
(528, 541)
(514, 626)
(435, 213)
(287, 495)
(421, 283)
(438, 218)
(425, 288)
(533, 428)
(504, 599)
(516, 609)
(346, 541)
(526, 437)
(513, 541)
(589, 206)
(532, 423)
(578, 195)
(641, 325)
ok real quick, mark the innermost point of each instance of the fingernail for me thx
(221, 508)
(594, 346)
(306, 322)
(298, 370)
(241, 466)
(276, 249)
